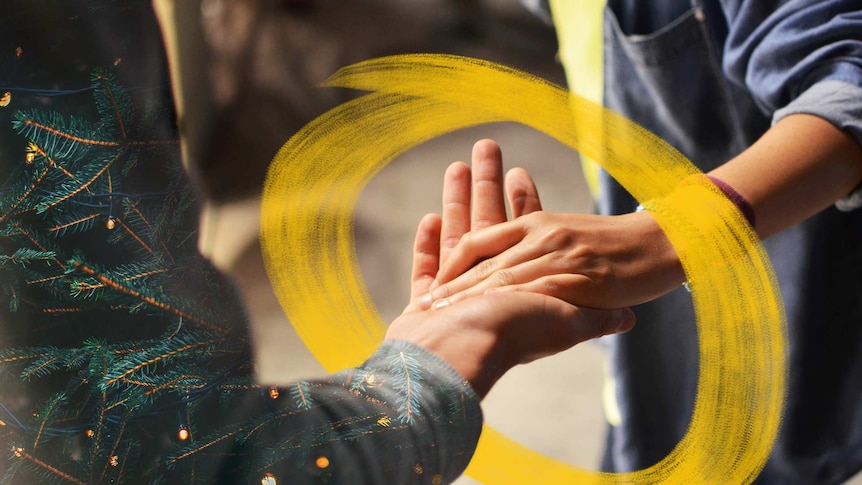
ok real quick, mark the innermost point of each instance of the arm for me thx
(800, 60)
(800, 166)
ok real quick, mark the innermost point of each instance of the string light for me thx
(18, 451)
(115, 460)
(322, 462)
(268, 479)
(110, 223)
(183, 433)
(90, 433)
(273, 393)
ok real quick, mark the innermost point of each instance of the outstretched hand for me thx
(584, 259)
(483, 337)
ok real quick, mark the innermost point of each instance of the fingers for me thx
(475, 246)
(541, 275)
(456, 207)
(426, 257)
(487, 167)
(522, 193)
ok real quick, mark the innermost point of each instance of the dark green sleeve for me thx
(404, 416)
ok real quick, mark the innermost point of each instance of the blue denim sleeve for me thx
(799, 56)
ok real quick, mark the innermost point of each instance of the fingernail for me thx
(625, 319)
(440, 304)
(425, 302)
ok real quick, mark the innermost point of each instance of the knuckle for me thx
(450, 242)
(442, 291)
(556, 237)
(551, 287)
(503, 277)
(485, 267)
(467, 239)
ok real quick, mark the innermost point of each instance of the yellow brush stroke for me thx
(314, 182)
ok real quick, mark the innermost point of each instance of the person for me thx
(766, 98)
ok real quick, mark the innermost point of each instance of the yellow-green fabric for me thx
(579, 33)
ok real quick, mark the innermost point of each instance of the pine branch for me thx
(56, 136)
(48, 414)
(406, 379)
(25, 256)
(70, 188)
(30, 236)
(300, 394)
(25, 195)
(136, 216)
(20, 453)
(170, 350)
(74, 224)
(111, 100)
(125, 289)
(134, 236)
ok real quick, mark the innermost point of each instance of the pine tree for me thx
(98, 259)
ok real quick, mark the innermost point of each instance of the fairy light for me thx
(183, 433)
(322, 462)
(273, 393)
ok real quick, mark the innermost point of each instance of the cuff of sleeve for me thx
(839, 103)
(453, 410)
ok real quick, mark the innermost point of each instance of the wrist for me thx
(662, 271)
(738, 200)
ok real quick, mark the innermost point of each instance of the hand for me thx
(488, 209)
(483, 337)
(596, 261)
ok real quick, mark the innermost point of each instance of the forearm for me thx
(404, 416)
(800, 166)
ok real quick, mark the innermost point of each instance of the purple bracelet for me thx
(735, 197)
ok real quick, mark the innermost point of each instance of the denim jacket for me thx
(710, 76)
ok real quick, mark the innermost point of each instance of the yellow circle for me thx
(314, 182)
